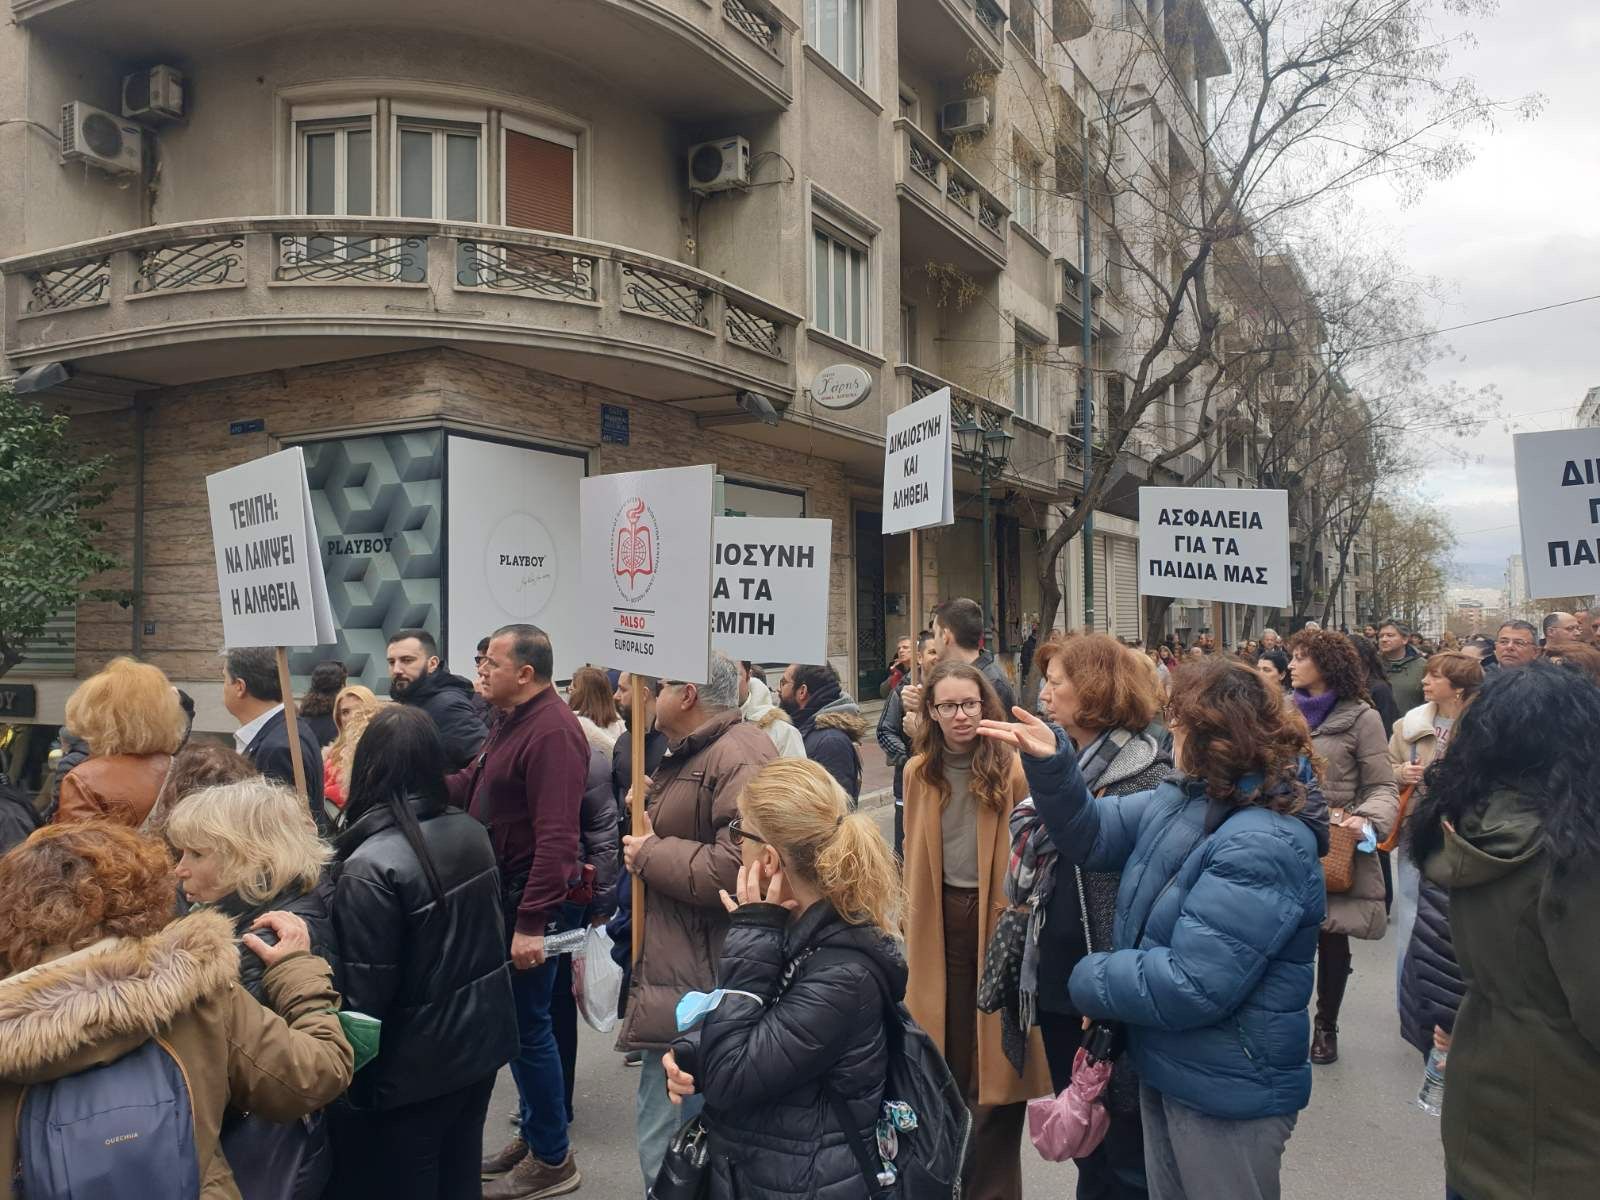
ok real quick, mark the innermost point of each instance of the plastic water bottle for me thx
(1430, 1099)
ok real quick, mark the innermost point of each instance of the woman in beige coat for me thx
(1358, 780)
(959, 793)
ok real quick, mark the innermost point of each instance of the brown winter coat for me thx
(694, 793)
(998, 1082)
(1358, 778)
(120, 787)
(181, 984)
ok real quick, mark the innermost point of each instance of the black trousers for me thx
(1333, 974)
(1115, 1168)
(564, 1021)
(430, 1150)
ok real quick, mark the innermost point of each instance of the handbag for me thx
(1002, 961)
(685, 1172)
(1389, 843)
(1339, 863)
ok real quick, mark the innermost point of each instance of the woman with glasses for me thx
(960, 791)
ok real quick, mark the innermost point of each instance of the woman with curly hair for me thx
(355, 706)
(1330, 690)
(1218, 913)
(1510, 824)
(960, 791)
(95, 972)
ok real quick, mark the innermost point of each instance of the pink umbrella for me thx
(1072, 1124)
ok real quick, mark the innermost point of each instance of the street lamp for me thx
(987, 451)
(1086, 317)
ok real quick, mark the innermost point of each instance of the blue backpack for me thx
(122, 1129)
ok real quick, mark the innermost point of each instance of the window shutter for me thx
(538, 183)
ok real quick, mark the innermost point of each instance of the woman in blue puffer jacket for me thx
(1218, 911)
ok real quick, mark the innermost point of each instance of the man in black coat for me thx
(418, 678)
(829, 721)
(251, 694)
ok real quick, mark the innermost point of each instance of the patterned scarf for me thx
(1031, 875)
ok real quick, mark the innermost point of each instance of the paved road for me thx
(1361, 1138)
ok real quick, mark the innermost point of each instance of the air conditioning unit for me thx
(971, 115)
(719, 165)
(155, 94)
(92, 136)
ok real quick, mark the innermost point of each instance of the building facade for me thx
(511, 244)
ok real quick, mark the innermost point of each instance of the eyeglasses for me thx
(741, 834)
(949, 708)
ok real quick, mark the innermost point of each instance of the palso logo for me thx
(636, 542)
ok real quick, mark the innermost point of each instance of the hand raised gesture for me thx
(1027, 733)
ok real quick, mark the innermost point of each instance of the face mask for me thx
(693, 1006)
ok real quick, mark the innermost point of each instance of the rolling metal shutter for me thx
(1125, 587)
(539, 190)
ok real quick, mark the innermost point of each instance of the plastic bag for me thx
(596, 980)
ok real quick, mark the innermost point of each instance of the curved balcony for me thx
(177, 303)
(687, 58)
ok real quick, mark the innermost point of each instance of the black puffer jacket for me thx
(601, 841)
(435, 973)
(762, 1067)
(1431, 988)
(451, 701)
(18, 817)
(311, 907)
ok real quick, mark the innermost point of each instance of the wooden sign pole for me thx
(636, 803)
(916, 604)
(291, 722)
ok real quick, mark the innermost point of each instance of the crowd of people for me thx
(217, 986)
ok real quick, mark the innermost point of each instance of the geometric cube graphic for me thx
(378, 505)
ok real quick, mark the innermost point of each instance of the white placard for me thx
(513, 546)
(269, 562)
(1228, 544)
(916, 466)
(1558, 496)
(769, 588)
(646, 570)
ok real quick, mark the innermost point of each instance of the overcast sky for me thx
(1517, 229)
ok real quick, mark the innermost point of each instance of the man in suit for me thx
(251, 694)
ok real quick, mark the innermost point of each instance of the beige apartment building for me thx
(473, 251)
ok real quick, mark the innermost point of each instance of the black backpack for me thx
(929, 1160)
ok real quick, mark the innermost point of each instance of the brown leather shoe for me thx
(534, 1179)
(509, 1156)
(1324, 1046)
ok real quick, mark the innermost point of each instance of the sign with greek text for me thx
(769, 589)
(269, 565)
(1558, 496)
(1227, 544)
(916, 466)
(646, 569)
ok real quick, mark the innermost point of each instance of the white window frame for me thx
(858, 72)
(339, 118)
(440, 119)
(840, 238)
(1025, 206)
(573, 139)
(1026, 371)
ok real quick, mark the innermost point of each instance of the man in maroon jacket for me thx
(527, 785)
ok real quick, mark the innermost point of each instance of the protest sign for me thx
(1558, 497)
(1227, 544)
(269, 564)
(645, 560)
(769, 593)
(917, 487)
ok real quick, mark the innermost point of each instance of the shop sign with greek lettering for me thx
(916, 466)
(646, 571)
(1227, 544)
(269, 563)
(1558, 497)
(769, 591)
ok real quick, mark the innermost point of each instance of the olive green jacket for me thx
(1521, 1115)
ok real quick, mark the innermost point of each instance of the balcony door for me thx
(438, 176)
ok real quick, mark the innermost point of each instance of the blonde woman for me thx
(810, 965)
(246, 849)
(352, 709)
(130, 717)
